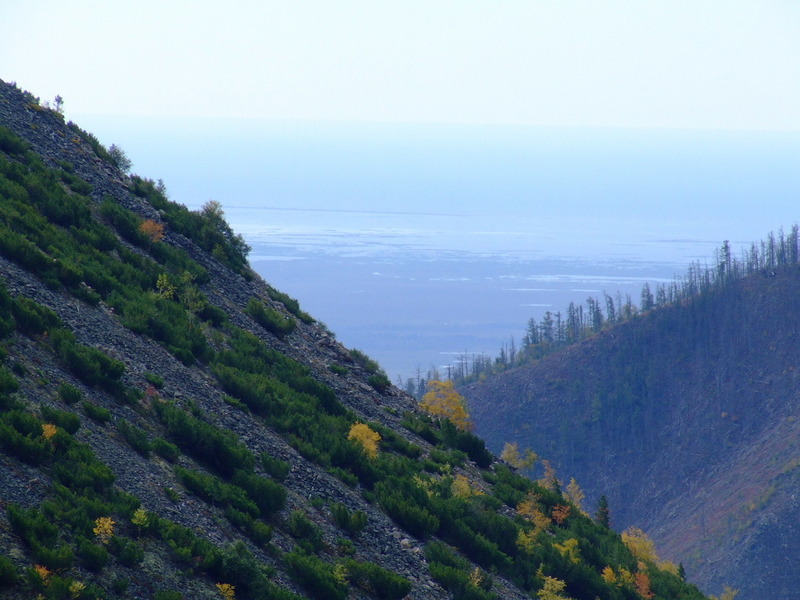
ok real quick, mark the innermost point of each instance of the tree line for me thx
(557, 330)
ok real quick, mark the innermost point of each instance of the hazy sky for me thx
(689, 64)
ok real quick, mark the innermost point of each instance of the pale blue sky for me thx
(620, 202)
(685, 64)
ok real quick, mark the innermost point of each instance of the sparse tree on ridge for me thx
(119, 158)
(213, 213)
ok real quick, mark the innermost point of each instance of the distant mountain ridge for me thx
(173, 427)
(685, 417)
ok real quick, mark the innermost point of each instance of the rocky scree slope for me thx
(173, 427)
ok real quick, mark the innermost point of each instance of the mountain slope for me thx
(173, 427)
(685, 418)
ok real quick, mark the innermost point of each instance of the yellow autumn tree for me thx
(154, 231)
(76, 588)
(609, 576)
(640, 544)
(477, 577)
(669, 567)
(621, 578)
(569, 550)
(140, 518)
(366, 437)
(529, 509)
(625, 577)
(166, 289)
(227, 590)
(552, 589)
(43, 573)
(104, 529)
(728, 594)
(575, 494)
(49, 430)
(461, 488)
(522, 461)
(549, 480)
(443, 401)
(526, 541)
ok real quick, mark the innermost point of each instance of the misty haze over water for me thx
(415, 243)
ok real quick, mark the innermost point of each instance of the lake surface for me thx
(417, 243)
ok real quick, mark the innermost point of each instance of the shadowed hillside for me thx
(685, 417)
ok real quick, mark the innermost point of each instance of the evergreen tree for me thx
(603, 516)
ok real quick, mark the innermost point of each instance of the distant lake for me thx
(415, 243)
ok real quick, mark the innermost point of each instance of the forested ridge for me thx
(686, 406)
(557, 330)
(173, 427)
